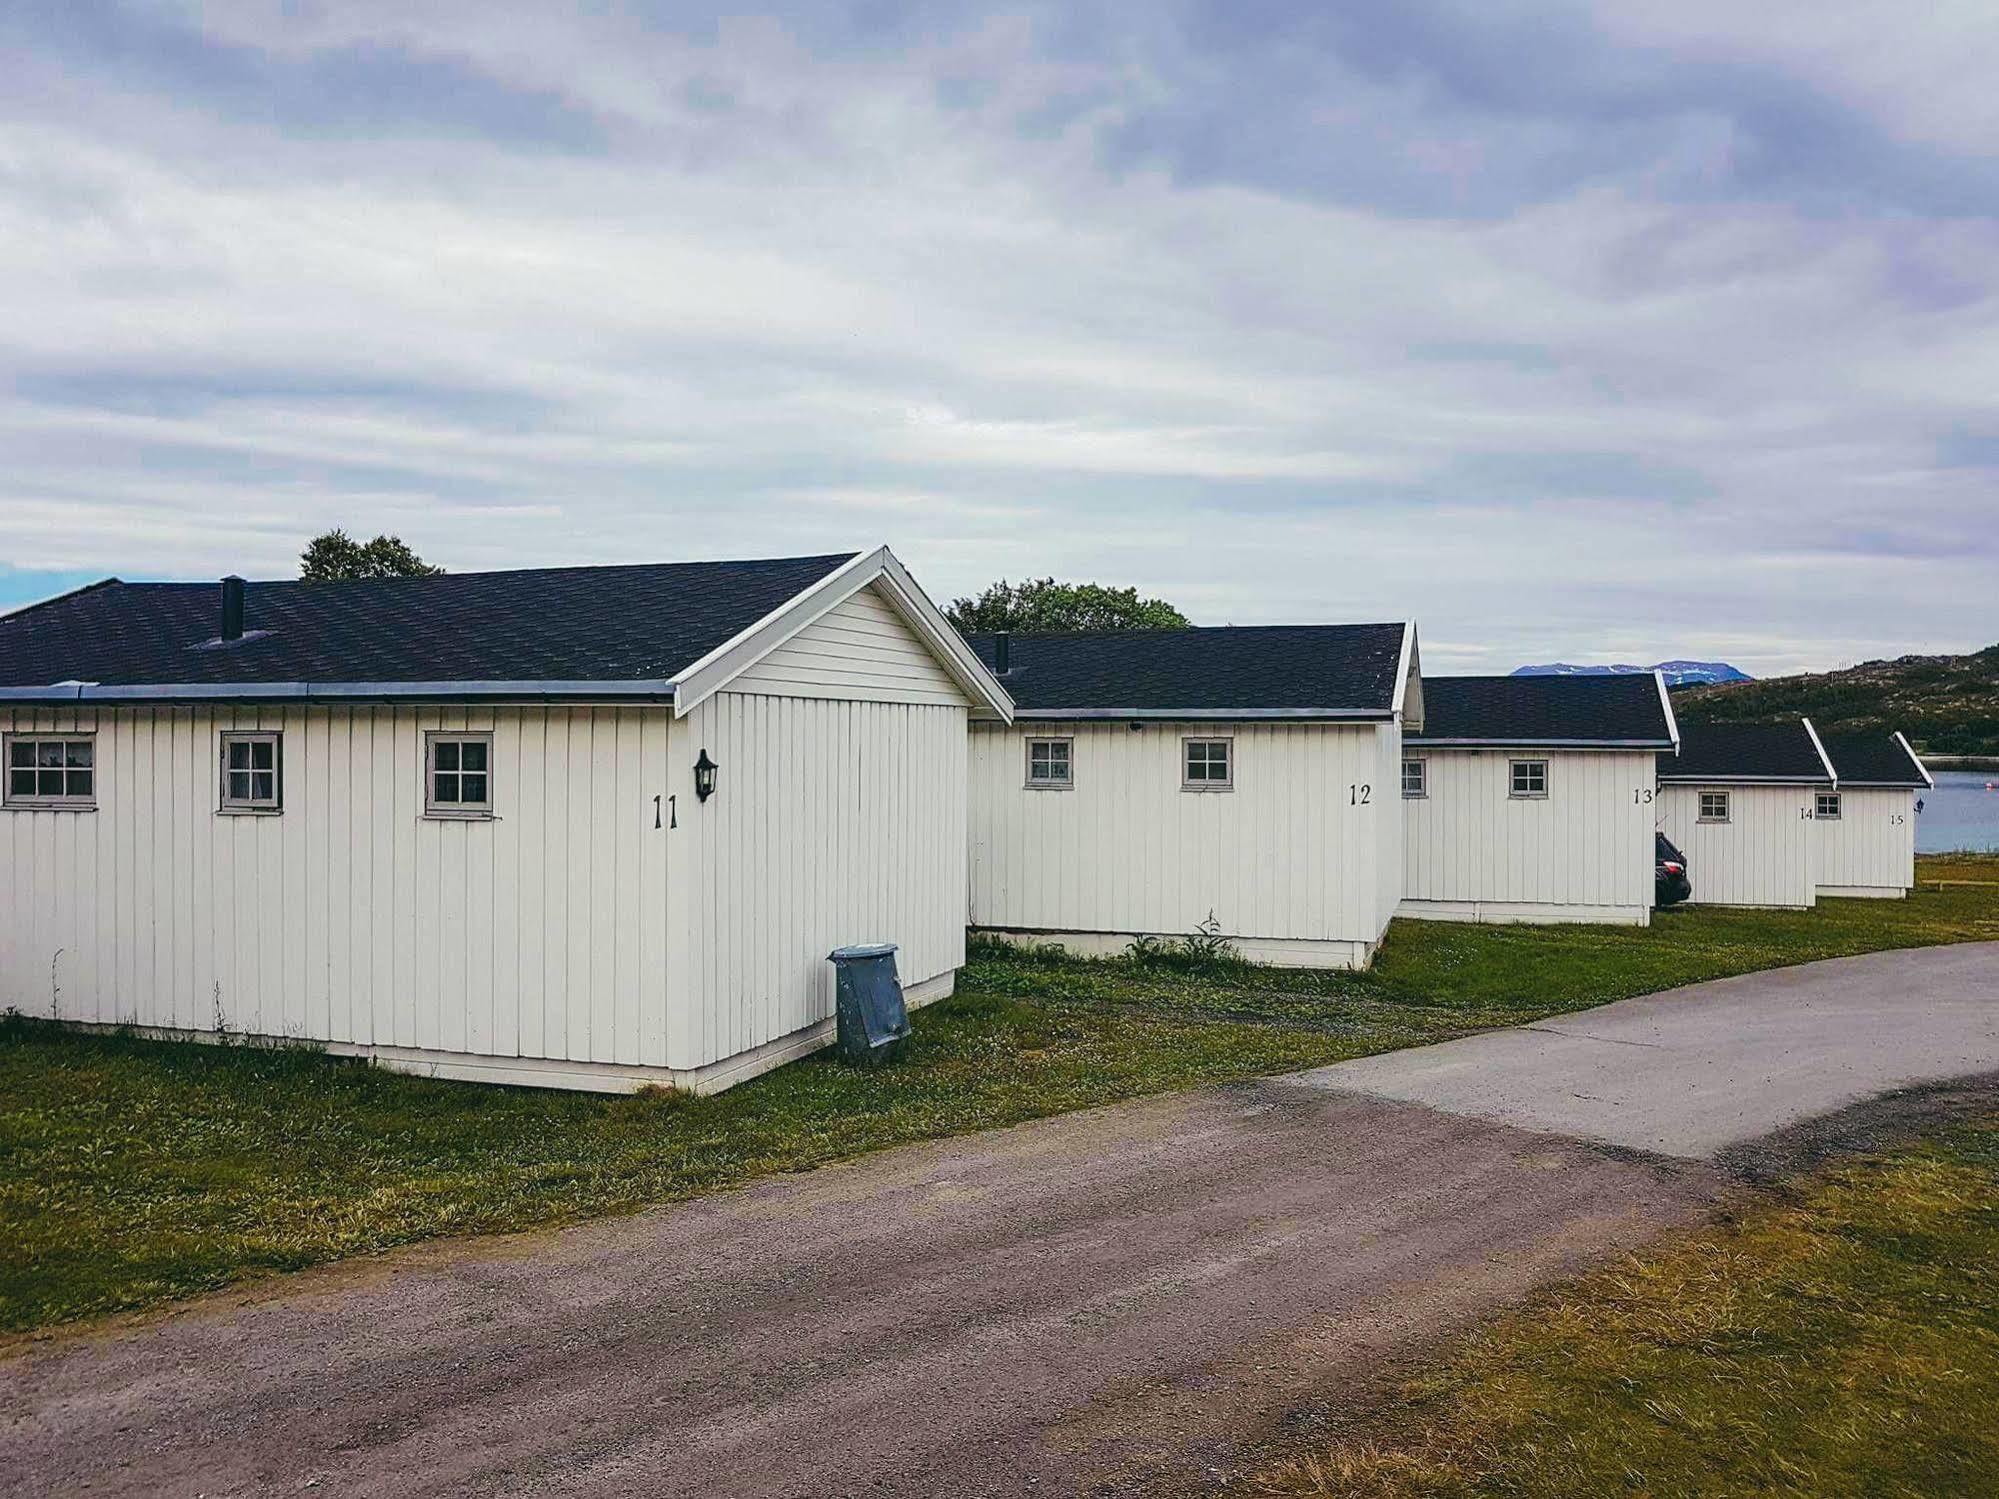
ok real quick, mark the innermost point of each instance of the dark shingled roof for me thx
(640, 624)
(1553, 710)
(1872, 760)
(1275, 670)
(1745, 752)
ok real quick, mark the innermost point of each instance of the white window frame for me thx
(458, 811)
(36, 801)
(1208, 741)
(1727, 803)
(1821, 801)
(1421, 764)
(1513, 770)
(1064, 782)
(252, 805)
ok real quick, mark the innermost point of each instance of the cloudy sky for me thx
(1597, 332)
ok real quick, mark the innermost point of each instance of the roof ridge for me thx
(71, 593)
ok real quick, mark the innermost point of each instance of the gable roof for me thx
(1876, 759)
(669, 631)
(1571, 712)
(1239, 672)
(1778, 753)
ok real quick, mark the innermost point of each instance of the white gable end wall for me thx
(1870, 848)
(1475, 852)
(860, 649)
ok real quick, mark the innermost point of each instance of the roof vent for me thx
(232, 608)
(1002, 652)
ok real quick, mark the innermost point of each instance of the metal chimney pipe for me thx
(232, 608)
(1002, 652)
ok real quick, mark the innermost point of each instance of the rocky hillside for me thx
(1947, 705)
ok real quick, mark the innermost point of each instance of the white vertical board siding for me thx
(834, 822)
(1870, 847)
(860, 650)
(1297, 851)
(1585, 850)
(350, 918)
(1764, 855)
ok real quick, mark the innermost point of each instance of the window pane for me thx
(21, 752)
(263, 786)
(21, 782)
(447, 753)
(77, 753)
(263, 754)
(79, 782)
(472, 789)
(48, 751)
(444, 787)
(239, 754)
(239, 785)
(51, 783)
(472, 755)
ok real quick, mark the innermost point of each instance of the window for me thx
(252, 772)
(1415, 777)
(1530, 778)
(52, 771)
(458, 775)
(1048, 764)
(1714, 806)
(1207, 765)
(1828, 806)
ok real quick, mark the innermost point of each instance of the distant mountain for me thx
(1945, 704)
(1678, 673)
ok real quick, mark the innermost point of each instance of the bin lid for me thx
(873, 950)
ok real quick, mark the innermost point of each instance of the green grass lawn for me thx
(1846, 1343)
(135, 1171)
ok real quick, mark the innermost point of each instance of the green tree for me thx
(1044, 604)
(337, 557)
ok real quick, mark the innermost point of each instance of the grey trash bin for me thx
(873, 1020)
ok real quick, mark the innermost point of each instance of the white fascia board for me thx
(1916, 760)
(1693, 780)
(1650, 746)
(1831, 770)
(1245, 715)
(1666, 704)
(728, 660)
(1409, 668)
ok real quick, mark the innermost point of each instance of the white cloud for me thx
(795, 298)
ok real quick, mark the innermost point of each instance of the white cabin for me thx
(1530, 798)
(1153, 783)
(274, 819)
(1866, 825)
(1740, 801)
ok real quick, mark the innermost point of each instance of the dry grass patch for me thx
(1845, 1344)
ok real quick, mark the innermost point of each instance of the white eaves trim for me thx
(880, 568)
(1916, 760)
(1832, 772)
(1666, 707)
(1409, 667)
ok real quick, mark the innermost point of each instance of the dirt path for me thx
(1099, 1303)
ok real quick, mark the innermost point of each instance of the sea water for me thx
(1959, 814)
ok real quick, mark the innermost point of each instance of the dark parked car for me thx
(1670, 884)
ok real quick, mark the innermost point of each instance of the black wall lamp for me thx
(704, 777)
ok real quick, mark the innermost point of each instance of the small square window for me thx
(1828, 806)
(1050, 764)
(1714, 806)
(457, 775)
(252, 772)
(1207, 764)
(1415, 778)
(51, 772)
(1529, 778)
